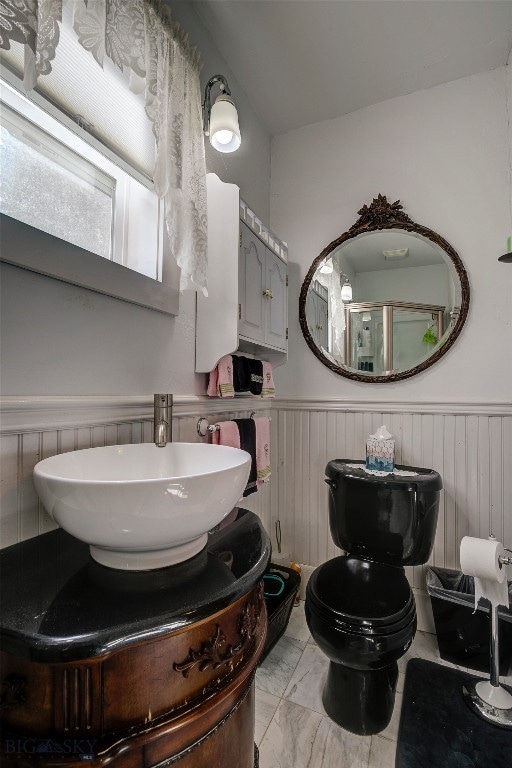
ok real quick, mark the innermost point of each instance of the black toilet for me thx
(360, 608)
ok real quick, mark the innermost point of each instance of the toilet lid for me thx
(369, 596)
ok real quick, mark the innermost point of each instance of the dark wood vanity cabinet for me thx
(182, 694)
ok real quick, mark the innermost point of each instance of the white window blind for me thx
(102, 97)
(128, 70)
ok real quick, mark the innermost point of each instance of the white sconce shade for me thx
(224, 128)
(346, 292)
(220, 120)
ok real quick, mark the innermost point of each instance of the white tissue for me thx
(382, 434)
(480, 558)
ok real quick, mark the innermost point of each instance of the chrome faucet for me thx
(163, 420)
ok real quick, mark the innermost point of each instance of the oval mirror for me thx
(386, 299)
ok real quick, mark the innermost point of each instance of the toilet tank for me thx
(390, 519)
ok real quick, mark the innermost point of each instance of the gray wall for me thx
(428, 150)
(249, 166)
(58, 339)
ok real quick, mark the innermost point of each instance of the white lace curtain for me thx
(139, 36)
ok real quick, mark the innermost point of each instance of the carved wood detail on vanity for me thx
(215, 652)
(13, 692)
(186, 695)
(212, 654)
(76, 691)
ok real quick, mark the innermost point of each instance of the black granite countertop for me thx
(57, 604)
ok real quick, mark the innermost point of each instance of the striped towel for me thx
(268, 389)
(220, 383)
(262, 449)
(256, 374)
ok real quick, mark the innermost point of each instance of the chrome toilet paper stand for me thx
(488, 699)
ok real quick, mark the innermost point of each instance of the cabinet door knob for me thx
(268, 293)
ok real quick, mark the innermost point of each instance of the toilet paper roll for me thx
(480, 558)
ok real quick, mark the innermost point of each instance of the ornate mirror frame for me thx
(382, 215)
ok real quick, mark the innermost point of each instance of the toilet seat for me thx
(361, 596)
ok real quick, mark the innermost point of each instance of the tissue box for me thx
(380, 455)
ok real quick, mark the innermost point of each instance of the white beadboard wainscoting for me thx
(33, 428)
(469, 444)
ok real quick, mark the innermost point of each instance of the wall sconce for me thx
(220, 119)
(327, 267)
(346, 292)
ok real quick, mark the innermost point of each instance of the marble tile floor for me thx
(292, 729)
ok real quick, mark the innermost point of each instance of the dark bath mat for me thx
(437, 728)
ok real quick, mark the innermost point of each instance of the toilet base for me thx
(361, 701)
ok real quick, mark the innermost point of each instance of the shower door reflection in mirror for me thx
(383, 337)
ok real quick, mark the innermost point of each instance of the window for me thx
(127, 74)
(56, 182)
(70, 190)
(49, 186)
(126, 84)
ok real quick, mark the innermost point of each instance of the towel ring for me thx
(203, 427)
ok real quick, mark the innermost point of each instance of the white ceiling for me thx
(365, 253)
(303, 61)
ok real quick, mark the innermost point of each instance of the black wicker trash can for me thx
(280, 587)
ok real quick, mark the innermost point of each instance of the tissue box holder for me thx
(380, 455)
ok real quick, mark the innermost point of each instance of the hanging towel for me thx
(221, 379)
(226, 434)
(241, 374)
(268, 389)
(239, 433)
(212, 383)
(247, 437)
(262, 449)
(256, 370)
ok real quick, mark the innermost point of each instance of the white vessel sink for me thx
(141, 507)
